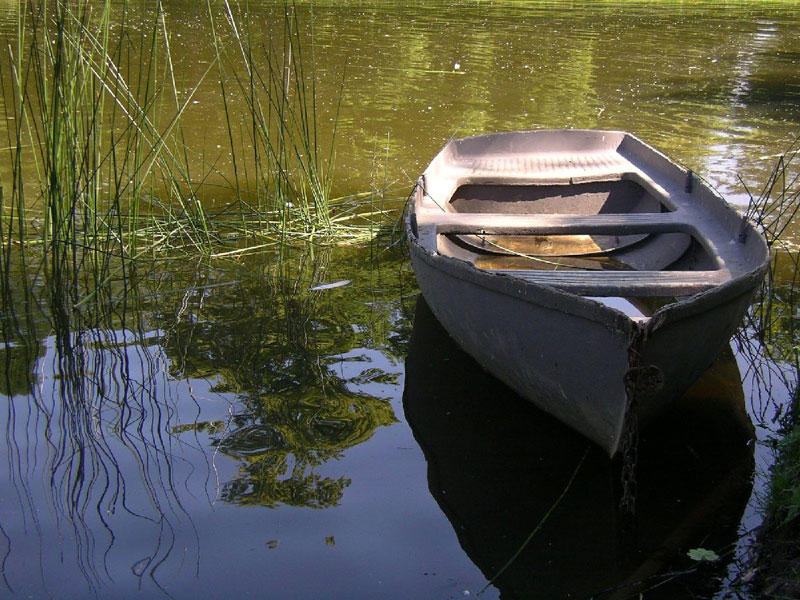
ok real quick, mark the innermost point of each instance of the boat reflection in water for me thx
(496, 466)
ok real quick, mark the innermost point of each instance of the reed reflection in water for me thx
(92, 477)
(127, 443)
(306, 388)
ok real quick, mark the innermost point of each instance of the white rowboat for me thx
(586, 270)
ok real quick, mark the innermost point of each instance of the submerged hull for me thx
(575, 355)
(497, 470)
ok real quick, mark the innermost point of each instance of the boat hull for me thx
(529, 343)
(570, 356)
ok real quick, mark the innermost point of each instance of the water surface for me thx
(246, 427)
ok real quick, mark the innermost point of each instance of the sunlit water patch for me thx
(714, 85)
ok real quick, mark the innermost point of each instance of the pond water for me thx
(244, 428)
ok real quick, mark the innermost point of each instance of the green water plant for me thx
(774, 209)
(283, 173)
(785, 499)
(292, 174)
(96, 166)
(100, 172)
(777, 562)
(774, 319)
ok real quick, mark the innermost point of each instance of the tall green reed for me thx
(292, 171)
(774, 210)
(101, 174)
(98, 172)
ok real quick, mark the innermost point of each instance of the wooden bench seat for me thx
(506, 224)
(623, 283)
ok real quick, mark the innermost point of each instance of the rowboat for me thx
(586, 270)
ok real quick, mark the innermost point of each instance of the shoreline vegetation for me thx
(102, 183)
(775, 569)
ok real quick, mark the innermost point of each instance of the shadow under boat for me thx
(496, 466)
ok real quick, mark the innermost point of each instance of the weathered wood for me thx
(504, 224)
(624, 283)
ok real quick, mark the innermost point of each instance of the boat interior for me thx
(593, 213)
(565, 255)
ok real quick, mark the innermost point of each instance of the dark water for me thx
(221, 429)
(498, 468)
(229, 431)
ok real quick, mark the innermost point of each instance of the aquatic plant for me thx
(101, 176)
(785, 498)
(777, 561)
(776, 365)
(94, 154)
(773, 315)
(289, 187)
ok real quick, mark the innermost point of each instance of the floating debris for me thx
(329, 286)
